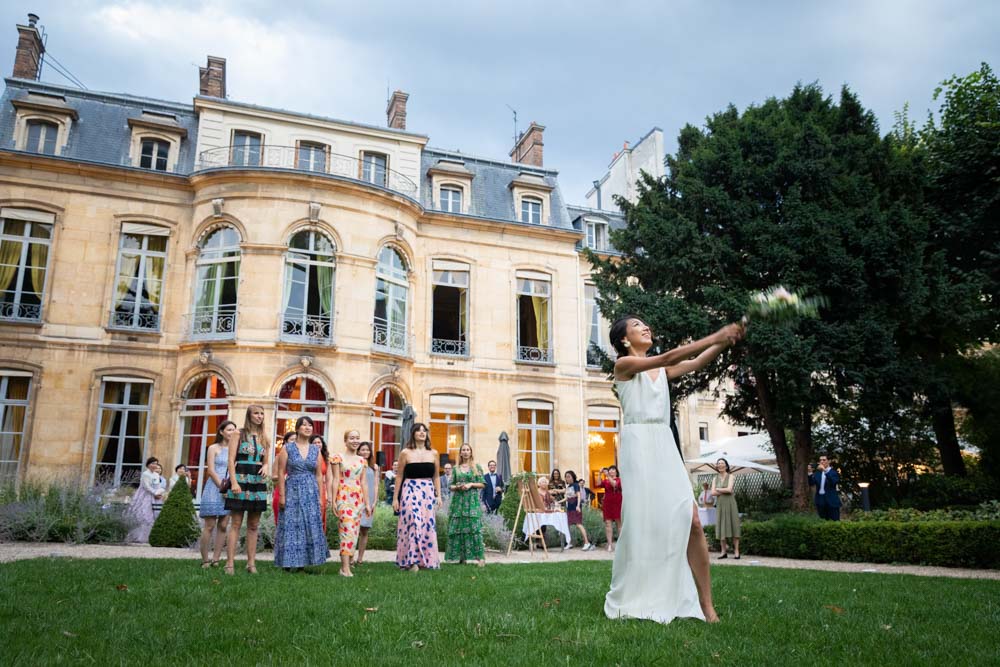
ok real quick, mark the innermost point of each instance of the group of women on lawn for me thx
(308, 474)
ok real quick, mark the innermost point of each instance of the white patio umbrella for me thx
(737, 466)
(755, 447)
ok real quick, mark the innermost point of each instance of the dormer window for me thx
(531, 210)
(451, 200)
(311, 156)
(154, 155)
(374, 167)
(42, 137)
(246, 149)
(597, 235)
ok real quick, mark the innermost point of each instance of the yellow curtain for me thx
(129, 264)
(540, 304)
(10, 255)
(153, 280)
(107, 437)
(39, 258)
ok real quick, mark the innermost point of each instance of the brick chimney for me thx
(212, 78)
(528, 149)
(28, 57)
(396, 111)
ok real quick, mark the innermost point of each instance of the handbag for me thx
(226, 484)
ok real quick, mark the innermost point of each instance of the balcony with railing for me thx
(534, 355)
(211, 323)
(291, 157)
(20, 312)
(449, 348)
(312, 329)
(133, 321)
(391, 338)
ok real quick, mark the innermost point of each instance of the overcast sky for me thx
(594, 73)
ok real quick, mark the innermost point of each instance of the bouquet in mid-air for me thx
(777, 304)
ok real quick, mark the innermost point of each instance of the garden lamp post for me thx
(866, 503)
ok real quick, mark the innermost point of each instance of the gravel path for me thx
(25, 550)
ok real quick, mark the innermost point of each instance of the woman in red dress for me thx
(612, 505)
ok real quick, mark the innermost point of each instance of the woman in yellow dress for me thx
(347, 478)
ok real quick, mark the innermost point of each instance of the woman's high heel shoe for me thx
(723, 556)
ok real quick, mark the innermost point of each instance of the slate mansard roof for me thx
(491, 196)
(101, 132)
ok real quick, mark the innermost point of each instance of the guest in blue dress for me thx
(213, 510)
(300, 540)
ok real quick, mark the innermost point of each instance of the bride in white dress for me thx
(661, 563)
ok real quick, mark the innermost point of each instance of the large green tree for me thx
(800, 191)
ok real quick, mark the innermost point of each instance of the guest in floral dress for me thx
(213, 508)
(347, 476)
(140, 508)
(300, 540)
(371, 486)
(416, 497)
(465, 515)
(248, 472)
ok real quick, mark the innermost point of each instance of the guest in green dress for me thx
(465, 516)
(727, 515)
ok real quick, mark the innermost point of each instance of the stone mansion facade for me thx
(166, 265)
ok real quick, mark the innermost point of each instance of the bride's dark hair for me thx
(618, 331)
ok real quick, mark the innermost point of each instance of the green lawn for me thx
(172, 612)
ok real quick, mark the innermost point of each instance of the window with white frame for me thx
(374, 167)
(597, 329)
(597, 235)
(703, 431)
(142, 256)
(217, 285)
(154, 154)
(450, 308)
(391, 293)
(311, 156)
(534, 317)
(310, 268)
(206, 405)
(449, 424)
(246, 149)
(25, 238)
(531, 210)
(122, 430)
(451, 199)
(534, 436)
(42, 136)
(387, 425)
(14, 391)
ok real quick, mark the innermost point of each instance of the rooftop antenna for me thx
(514, 111)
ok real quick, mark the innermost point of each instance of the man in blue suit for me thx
(492, 489)
(825, 479)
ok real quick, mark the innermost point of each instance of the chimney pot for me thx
(395, 112)
(28, 55)
(528, 149)
(212, 77)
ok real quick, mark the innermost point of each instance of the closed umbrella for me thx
(409, 418)
(503, 457)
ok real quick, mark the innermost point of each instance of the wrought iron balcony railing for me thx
(537, 355)
(20, 312)
(292, 157)
(315, 329)
(454, 348)
(390, 338)
(212, 323)
(135, 321)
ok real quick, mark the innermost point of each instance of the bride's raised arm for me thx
(627, 366)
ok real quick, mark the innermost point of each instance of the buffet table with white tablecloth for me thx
(533, 521)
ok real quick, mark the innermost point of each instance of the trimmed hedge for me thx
(944, 543)
(177, 525)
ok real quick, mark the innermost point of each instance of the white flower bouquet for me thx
(780, 305)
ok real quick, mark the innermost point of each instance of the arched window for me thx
(218, 279)
(301, 396)
(308, 296)
(387, 425)
(391, 292)
(205, 407)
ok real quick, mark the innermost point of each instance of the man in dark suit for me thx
(825, 479)
(493, 489)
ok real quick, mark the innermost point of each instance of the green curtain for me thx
(540, 305)
(127, 270)
(10, 256)
(324, 275)
(208, 285)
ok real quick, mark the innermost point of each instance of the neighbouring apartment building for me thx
(166, 265)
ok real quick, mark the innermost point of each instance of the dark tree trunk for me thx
(943, 417)
(801, 496)
(775, 429)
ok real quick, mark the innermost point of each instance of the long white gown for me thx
(651, 578)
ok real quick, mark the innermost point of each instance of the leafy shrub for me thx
(61, 511)
(929, 492)
(176, 525)
(988, 511)
(945, 543)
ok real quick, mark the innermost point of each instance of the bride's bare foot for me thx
(710, 615)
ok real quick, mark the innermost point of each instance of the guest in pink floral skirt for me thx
(416, 498)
